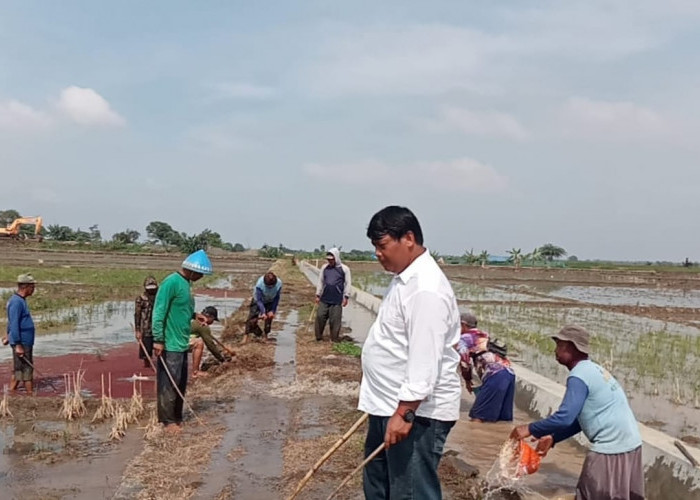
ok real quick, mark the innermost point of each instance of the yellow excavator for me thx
(13, 230)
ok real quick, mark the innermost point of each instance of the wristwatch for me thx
(409, 416)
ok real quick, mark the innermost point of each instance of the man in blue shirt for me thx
(263, 305)
(20, 333)
(595, 404)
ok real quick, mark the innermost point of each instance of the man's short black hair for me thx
(396, 222)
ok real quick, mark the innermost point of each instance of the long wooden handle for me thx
(327, 455)
(687, 454)
(367, 460)
(179, 393)
(229, 351)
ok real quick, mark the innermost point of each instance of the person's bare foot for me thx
(199, 374)
(245, 339)
(173, 429)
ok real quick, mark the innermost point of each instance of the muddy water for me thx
(78, 479)
(359, 320)
(248, 462)
(657, 362)
(478, 444)
(629, 296)
(102, 326)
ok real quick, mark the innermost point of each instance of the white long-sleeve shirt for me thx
(409, 353)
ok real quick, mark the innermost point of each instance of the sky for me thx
(500, 124)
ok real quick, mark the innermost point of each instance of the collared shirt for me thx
(409, 353)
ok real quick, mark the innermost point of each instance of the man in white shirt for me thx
(410, 385)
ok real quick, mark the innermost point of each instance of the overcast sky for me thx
(501, 124)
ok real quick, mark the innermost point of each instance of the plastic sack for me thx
(529, 460)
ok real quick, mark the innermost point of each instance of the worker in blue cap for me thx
(172, 313)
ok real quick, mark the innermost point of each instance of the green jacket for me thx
(172, 313)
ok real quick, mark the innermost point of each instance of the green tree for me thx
(59, 233)
(95, 235)
(163, 233)
(238, 248)
(515, 256)
(213, 238)
(484, 258)
(471, 257)
(190, 244)
(533, 257)
(551, 252)
(81, 236)
(126, 237)
(8, 216)
(269, 252)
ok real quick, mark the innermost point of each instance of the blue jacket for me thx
(20, 325)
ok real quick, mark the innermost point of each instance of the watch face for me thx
(409, 416)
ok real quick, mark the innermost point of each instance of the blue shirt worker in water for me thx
(263, 305)
(332, 294)
(20, 334)
(595, 404)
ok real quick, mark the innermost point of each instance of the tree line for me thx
(157, 233)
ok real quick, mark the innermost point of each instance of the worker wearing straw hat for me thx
(20, 333)
(172, 314)
(595, 404)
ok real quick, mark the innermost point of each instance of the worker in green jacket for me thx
(172, 313)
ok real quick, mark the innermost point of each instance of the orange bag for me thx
(529, 459)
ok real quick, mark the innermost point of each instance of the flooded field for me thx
(100, 327)
(647, 336)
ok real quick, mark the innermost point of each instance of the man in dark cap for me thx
(595, 404)
(143, 314)
(200, 336)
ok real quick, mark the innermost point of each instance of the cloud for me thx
(218, 139)
(612, 120)
(45, 195)
(414, 60)
(479, 123)
(242, 90)
(464, 175)
(17, 116)
(459, 175)
(352, 173)
(86, 107)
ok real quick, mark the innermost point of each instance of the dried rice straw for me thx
(4, 406)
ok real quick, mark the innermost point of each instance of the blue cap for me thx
(198, 262)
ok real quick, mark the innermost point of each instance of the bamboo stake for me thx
(327, 455)
(367, 460)
(308, 323)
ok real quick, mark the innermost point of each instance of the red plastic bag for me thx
(530, 460)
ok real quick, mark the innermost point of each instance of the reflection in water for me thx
(101, 326)
(657, 362)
